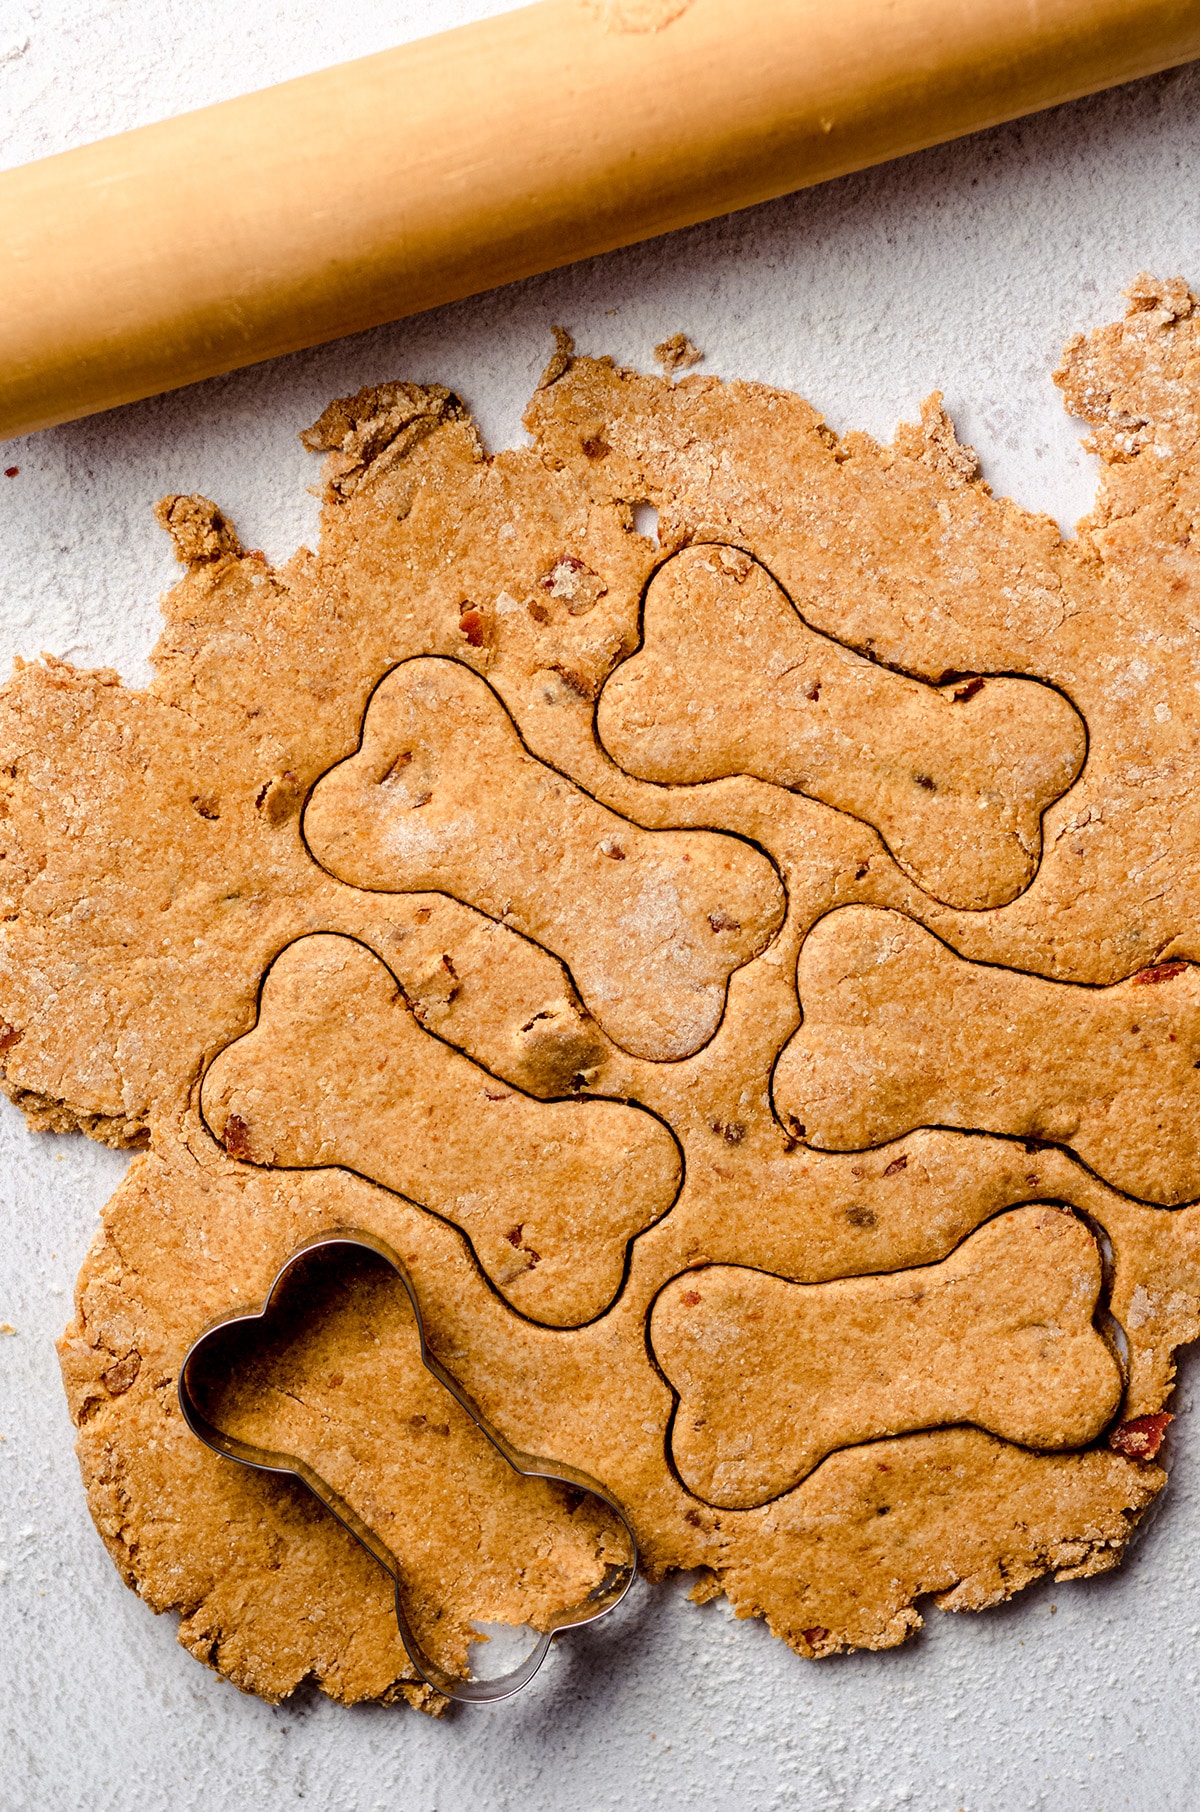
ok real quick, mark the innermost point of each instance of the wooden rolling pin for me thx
(387, 185)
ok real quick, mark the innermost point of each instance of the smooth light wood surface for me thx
(410, 178)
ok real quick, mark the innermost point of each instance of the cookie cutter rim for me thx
(603, 1598)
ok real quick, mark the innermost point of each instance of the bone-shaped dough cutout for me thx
(338, 1072)
(772, 1376)
(730, 679)
(331, 1375)
(443, 796)
(901, 1032)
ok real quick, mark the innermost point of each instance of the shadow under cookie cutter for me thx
(602, 1599)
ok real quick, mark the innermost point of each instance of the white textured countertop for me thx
(965, 269)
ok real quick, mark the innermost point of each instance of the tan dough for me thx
(549, 1193)
(899, 1032)
(651, 924)
(335, 1379)
(730, 680)
(155, 880)
(773, 1376)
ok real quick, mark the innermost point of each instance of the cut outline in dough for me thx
(536, 1100)
(1028, 1141)
(273, 1462)
(753, 424)
(645, 829)
(951, 675)
(1105, 1323)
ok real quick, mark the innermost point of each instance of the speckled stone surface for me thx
(964, 268)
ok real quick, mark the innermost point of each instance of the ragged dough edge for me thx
(802, 1562)
(1092, 1509)
(689, 510)
(45, 1113)
(113, 1329)
(270, 1590)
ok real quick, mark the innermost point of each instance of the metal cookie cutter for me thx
(603, 1597)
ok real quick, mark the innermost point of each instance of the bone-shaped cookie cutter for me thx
(602, 1599)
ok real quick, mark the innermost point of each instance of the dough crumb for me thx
(943, 450)
(202, 534)
(677, 352)
(367, 434)
(560, 358)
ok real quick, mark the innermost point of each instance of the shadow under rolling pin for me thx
(373, 190)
